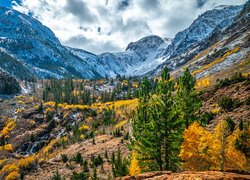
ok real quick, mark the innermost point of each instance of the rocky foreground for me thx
(163, 175)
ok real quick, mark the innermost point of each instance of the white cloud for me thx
(109, 25)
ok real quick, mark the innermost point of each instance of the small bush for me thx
(247, 101)
(78, 158)
(95, 124)
(64, 158)
(119, 165)
(51, 125)
(94, 175)
(238, 77)
(57, 176)
(229, 104)
(96, 161)
(117, 133)
(242, 142)
(79, 176)
(206, 118)
(84, 165)
(230, 124)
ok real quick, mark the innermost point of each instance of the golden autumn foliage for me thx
(64, 139)
(66, 115)
(203, 53)
(204, 82)
(216, 110)
(30, 100)
(45, 152)
(20, 102)
(118, 105)
(76, 93)
(235, 159)
(7, 147)
(75, 107)
(41, 160)
(226, 155)
(47, 148)
(9, 126)
(82, 136)
(8, 168)
(195, 148)
(19, 97)
(202, 150)
(134, 168)
(2, 162)
(5, 134)
(49, 104)
(49, 110)
(26, 162)
(13, 176)
(31, 123)
(83, 128)
(19, 110)
(219, 60)
(120, 124)
(12, 170)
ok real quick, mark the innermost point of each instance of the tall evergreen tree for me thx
(156, 130)
(170, 126)
(187, 100)
(143, 131)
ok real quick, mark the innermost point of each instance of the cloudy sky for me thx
(109, 25)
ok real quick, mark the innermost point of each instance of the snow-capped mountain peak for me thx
(32, 47)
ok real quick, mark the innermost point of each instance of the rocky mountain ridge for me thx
(28, 45)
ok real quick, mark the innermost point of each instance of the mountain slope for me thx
(150, 54)
(41, 55)
(184, 46)
(37, 52)
(8, 84)
(12, 65)
(137, 55)
(224, 51)
(36, 46)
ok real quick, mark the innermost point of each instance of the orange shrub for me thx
(13, 176)
(26, 162)
(8, 168)
(7, 147)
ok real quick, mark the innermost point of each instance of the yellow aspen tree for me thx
(195, 151)
(134, 168)
(219, 145)
(243, 144)
(224, 153)
(235, 160)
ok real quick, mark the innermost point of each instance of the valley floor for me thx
(86, 148)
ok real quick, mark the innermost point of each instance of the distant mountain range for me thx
(30, 50)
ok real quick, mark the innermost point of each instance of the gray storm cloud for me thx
(110, 25)
(80, 10)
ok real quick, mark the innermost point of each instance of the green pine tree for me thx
(156, 130)
(187, 100)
